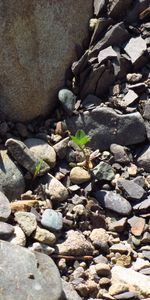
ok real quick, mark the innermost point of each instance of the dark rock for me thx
(143, 160)
(146, 112)
(121, 154)
(101, 25)
(137, 225)
(91, 101)
(6, 230)
(5, 209)
(52, 220)
(130, 189)
(106, 127)
(24, 156)
(12, 183)
(68, 100)
(103, 171)
(3, 128)
(35, 273)
(118, 226)
(115, 202)
(138, 7)
(146, 238)
(147, 126)
(119, 8)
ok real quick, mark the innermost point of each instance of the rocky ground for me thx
(92, 221)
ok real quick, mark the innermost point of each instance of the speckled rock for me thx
(12, 183)
(42, 150)
(27, 221)
(44, 236)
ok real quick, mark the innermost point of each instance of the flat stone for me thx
(44, 236)
(107, 53)
(6, 230)
(120, 153)
(75, 244)
(117, 287)
(103, 171)
(5, 209)
(35, 273)
(143, 206)
(55, 188)
(136, 282)
(137, 225)
(143, 159)
(114, 202)
(126, 295)
(27, 221)
(135, 48)
(33, 66)
(25, 157)
(18, 237)
(130, 189)
(128, 99)
(42, 150)
(79, 175)
(12, 182)
(52, 220)
(106, 127)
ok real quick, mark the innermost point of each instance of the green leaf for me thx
(38, 168)
(80, 138)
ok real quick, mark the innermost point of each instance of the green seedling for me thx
(81, 139)
(38, 168)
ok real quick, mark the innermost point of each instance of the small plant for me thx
(38, 168)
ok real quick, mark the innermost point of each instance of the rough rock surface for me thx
(35, 274)
(38, 39)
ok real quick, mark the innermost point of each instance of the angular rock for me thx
(75, 244)
(44, 236)
(143, 206)
(119, 8)
(42, 150)
(33, 66)
(27, 221)
(135, 48)
(143, 159)
(18, 237)
(128, 99)
(100, 27)
(107, 53)
(5, 209)
(79, 175)
(103, 171)
(35, 273)
(118, 226)
(61, 148)
(12, 183)
(69, 291)
(55, 188)
(114, 202)
(98, 6)
(146, 112)
(136, 282)
(130, 189)
(52, 220)
(6, 230)
(137, 225)
(24, 156)
(106, 127)
(120, 153)
(91, 102)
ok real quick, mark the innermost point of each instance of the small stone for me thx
(75, 244)
(132, 170)
(27, 221)
(5, 209)
(69, 291)
(118, 226)
(134, 77)
(135, 48)
(42, 150)
(100, 259)
(100, 238)
(120, 153)
(121, 248)
(18, 237)
(130, 189)
(79, 175)
(61, 148)
(104, 281)
(128, 99)
(137, 225)
(52, 220)
(68, 100)
(6, 230)
(115, 202)
(117, 288)
(102, 269)
(143, 160)
(44, 236)
(103, 171)
(24, 156)
(55, 188)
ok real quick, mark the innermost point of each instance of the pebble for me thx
(120, 153)
(55, 188)
(103, 171)
(68, 100)
(137, 225)
(44, 236)
(6, 230)
(5, 209)
(121, 248)
(42, 150)
(18, 237)
(79, 175)
(114, 202)
(102, 269)
(130, 189)
(100, 238)
(143, 160)
(61, 148)
(12, 182)
(27, 222)
(75, 244)
(52, 220)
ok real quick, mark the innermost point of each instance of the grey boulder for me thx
(35, 274)
(105, 126)
(39, 39)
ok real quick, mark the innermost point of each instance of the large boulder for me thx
(38, 39)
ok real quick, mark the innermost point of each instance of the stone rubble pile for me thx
(94, 223)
